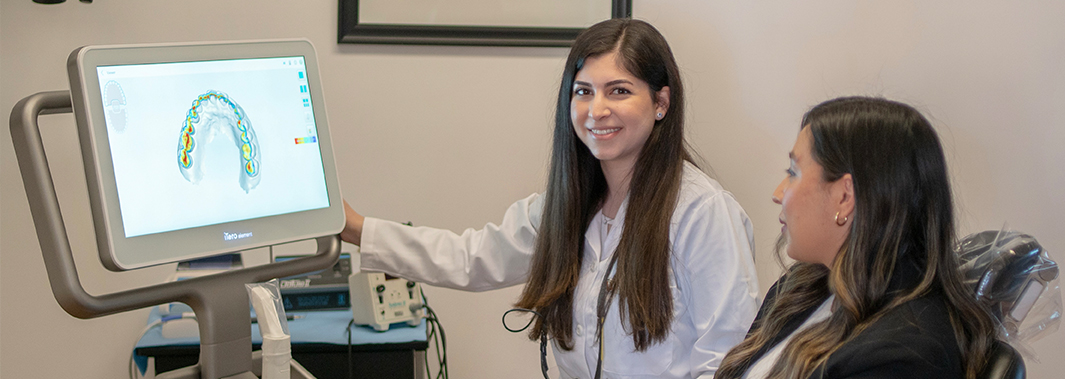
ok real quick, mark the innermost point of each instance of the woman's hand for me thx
(352, 232)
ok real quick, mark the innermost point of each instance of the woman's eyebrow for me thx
(608, 84)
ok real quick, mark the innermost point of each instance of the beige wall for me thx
(449, 136)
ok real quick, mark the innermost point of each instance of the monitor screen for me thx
(245, 135)
(196, 150)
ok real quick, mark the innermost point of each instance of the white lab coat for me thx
(714, 285)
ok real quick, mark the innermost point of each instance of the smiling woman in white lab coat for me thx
(631, 244)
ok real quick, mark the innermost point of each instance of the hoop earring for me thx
(840, 223)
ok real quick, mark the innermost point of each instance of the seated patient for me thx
(867, 213)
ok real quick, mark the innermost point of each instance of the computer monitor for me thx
(193, 150)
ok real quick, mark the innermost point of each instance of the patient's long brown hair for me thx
(577, 188)
(903, 211)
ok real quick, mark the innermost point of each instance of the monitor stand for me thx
(219, 301)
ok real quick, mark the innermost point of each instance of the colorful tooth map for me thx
(211, 113)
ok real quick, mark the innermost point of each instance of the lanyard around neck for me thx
(601, 308)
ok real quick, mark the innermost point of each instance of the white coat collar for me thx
(592, 234)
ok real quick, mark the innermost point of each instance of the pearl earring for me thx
(659, 115)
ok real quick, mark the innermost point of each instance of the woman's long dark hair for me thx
(576, 190)
(904, 214)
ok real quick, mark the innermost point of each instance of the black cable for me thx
(439, 341)
(443, 344)
(436, 342)
(543, 336)
(430, 335)
(602, 306)
(601, 309)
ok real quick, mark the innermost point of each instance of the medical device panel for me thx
(193, 150)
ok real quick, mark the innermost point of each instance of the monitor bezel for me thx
(118, 253)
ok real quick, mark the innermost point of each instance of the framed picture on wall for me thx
(473, 22)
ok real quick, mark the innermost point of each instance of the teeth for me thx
(603, 131)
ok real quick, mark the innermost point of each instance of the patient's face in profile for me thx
(807, 212)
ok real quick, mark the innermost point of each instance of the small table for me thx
(319, 344)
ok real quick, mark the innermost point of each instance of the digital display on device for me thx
(210, 142)
(196, 150)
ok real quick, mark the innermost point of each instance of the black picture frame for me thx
(352, 31)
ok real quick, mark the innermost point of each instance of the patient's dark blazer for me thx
(914, 340)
